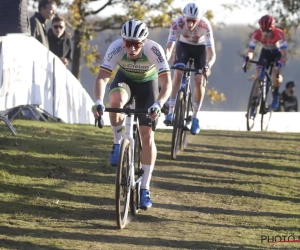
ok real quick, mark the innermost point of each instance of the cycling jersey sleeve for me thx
(156, 55)
(173, 34)
(254, 39)
(113, 55)
(209, 37)
(282, 41)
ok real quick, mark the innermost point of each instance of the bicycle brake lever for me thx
(245, 67)
(99, 119)
(153, 123)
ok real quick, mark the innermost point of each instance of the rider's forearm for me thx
(284, 56)
(211, 56)
(100, 85)
(169, 49)
(166, 88)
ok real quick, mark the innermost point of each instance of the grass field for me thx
(226, 191)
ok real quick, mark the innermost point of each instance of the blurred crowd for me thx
(14, 19)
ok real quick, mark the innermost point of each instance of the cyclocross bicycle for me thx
(181, 120)
(259, 103)
(129, 168)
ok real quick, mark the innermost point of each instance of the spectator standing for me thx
(14, 17)
(59, 40)
(46, 10)
(288, 100)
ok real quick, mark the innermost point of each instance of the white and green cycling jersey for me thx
(149, 66)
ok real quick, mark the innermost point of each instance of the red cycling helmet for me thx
(267, 22)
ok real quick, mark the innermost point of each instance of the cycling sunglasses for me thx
(266, 30)
(135, 44)
(191, 20)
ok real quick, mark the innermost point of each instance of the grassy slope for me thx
(224, 192)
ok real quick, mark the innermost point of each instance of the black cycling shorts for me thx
(269, 55)
(146, 94)
(184, 51)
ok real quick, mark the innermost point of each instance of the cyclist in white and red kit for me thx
(195, 41)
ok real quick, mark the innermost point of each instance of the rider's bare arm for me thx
(169, 50)
(284, 55)
(166, 87)
(211, 56)
(100, 84)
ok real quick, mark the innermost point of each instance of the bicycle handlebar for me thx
(126, 111)
(182, 67)
(263, 63)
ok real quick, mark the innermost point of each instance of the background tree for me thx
(85, 22)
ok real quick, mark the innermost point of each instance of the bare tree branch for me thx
(108, 27)
(108, 3)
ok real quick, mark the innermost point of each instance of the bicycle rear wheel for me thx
(188, 120)
(177, 125)
(266, 111)
(254, 104)
(135, 194)
(123, 184)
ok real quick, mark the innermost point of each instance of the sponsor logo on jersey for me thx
(157, 53)
(114, 52)
(137, 66)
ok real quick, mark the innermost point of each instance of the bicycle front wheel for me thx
(188, 120)
(123, 184)
(254, 104)
(135, 194)
(177, 125)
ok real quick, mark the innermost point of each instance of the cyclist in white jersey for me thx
(141, 63)
(195, 41)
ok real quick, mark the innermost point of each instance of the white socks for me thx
(117, 131)
(145, 183)
(172, 102)
(196, 108)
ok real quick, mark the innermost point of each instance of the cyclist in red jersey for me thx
(274, 49)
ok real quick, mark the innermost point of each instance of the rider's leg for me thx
(199, 88)
(175, 88)
(148, 157)
(181, 56)
(199, 93)
(147, 94)
(276, 85)
(117, 99)
(276, 81)
(119, 95)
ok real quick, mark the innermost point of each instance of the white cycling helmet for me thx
(191, 10)
(134, 30)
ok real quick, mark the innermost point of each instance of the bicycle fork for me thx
(184, 88)
(129, 122)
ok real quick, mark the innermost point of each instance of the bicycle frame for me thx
(185, 83)
(266, 82)
(264, 75)
(131, 126)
